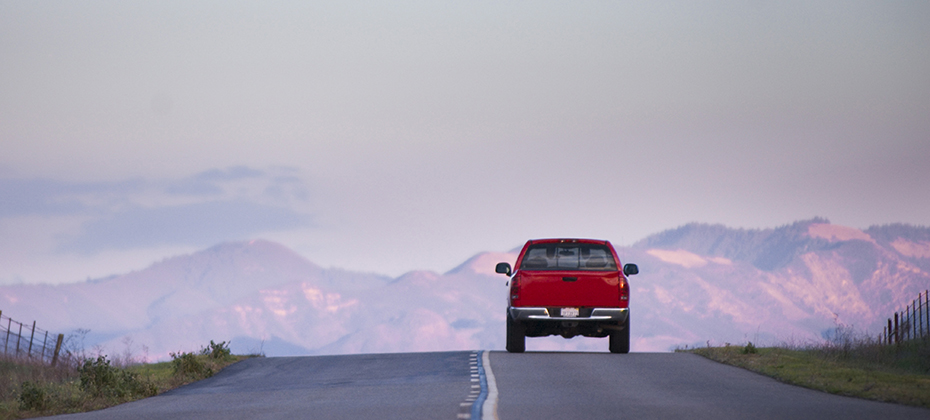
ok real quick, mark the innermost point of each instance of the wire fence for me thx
(910, 324)
(26, 341)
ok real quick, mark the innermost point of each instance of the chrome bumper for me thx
(618, 315)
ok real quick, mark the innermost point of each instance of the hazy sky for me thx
(391, 136)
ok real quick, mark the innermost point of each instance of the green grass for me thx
(862, 369)
(31, 389)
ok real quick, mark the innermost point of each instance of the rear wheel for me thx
(620, 340)
(516, 336)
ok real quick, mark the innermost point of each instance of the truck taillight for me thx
(624, 289)
(515, 288)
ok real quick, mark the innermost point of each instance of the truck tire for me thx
(516, 336)
(620, 340)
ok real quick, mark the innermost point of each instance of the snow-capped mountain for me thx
(697, 283)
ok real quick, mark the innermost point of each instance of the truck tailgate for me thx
(569, 288)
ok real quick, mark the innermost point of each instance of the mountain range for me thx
(698, 284)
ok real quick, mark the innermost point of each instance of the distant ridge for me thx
(697, 282)
(892, 231)
(766, 249)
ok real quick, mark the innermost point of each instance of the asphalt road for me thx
(661, 386)
(371, 386)
(529, 386)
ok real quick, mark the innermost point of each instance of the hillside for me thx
(698, 282)
(810, 271)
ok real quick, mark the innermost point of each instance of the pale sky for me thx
(394, 136)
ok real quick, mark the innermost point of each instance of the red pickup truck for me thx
(568, 287)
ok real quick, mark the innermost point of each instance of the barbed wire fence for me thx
(26, 341)
(910, 324)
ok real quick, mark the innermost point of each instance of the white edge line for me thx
(489, 409)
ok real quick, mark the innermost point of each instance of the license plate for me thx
(569, 312)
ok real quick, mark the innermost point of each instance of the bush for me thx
(217, 351)
(187, 366)
(100, 379)
(749, 349)
(29, 388)
(34, 396)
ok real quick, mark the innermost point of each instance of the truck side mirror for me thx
(630, 269)
(503, 268)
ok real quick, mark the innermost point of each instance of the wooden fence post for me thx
(57, 349)
(897, 336)
(888, 341)
(920, 318)
(904, 327)
(927, 310)
(911, 319)
(44, 342)
(31, 336)
(903, 324)
(19, 337)
(913, 332)
(7, 341)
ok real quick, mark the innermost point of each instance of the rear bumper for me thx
(607, 315)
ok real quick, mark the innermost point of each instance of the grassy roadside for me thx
(35, 389)
(897, 374)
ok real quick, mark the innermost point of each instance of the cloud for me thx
(229, 174)
(208, 207)
(194, 187)
(287, 187)
(198, 224)
(209, 182)
(44, 197)
(35, 196)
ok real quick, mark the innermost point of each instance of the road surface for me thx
(556, 386)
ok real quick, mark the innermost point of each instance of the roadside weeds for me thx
(32, 389)
(896, 374)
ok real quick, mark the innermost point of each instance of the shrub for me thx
(29, 388)
(187, 366)
(100, 379)
(749, 349)
(34, 396)
(217, 351)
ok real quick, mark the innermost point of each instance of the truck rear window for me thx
(560, 256)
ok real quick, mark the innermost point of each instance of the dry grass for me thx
(856, 368)
(31, 389)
